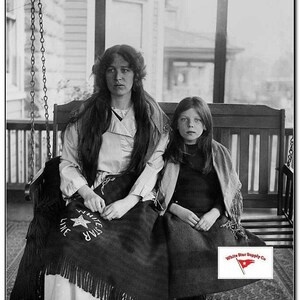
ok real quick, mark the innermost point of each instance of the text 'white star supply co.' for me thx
(245, 262)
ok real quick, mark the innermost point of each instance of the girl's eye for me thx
(183, 119)
(125, 70)
(197, 120)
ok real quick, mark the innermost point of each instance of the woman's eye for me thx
(125, 70)
(197, 120)
(183, 119)
(110, 70)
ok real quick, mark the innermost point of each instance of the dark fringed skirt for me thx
(119, 259)
(193, 257)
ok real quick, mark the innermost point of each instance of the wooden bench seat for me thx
(276, 231)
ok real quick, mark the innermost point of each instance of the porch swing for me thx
(242, 120)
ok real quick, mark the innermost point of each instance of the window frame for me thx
(15, 80)
(220, 44)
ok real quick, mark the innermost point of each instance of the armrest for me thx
(33, 188)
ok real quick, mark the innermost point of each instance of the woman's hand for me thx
(208, 220)
(184, 214)
(91, 200)
(119, 208)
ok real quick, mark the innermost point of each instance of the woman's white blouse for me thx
(114, 157)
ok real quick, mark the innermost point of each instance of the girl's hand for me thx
(119, 208)
(184, 214)
(91, 200)
(208, 220)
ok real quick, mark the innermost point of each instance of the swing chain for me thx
(45, 97)
(291, 151)
(32, 93)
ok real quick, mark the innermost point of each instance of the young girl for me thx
(200, 192)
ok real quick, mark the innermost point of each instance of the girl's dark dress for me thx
(193, 253)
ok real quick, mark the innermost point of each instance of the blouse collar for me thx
(126, 126)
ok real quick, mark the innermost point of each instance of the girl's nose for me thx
(190, 123)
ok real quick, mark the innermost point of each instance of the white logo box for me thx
(245, 262)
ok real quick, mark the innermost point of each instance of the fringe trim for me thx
(29, 284)
(97, 287)
(234, 225)
(236, 229)
(237, 207)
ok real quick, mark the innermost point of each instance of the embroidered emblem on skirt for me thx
(82, 224)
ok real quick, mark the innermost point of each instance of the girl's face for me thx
(190, 126)
(119, 77)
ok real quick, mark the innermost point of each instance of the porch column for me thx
(100, 7)
(220, 52)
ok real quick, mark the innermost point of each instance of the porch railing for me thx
(18, 151)
(18, 147)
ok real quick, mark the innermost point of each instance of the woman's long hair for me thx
(176, 147)
(95, 117)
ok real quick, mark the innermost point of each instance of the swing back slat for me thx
(61, 115)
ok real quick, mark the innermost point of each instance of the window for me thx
(189, 49)
(248, 60)
(177, 38)
(262, 31)
(11, 47)
(14, 49)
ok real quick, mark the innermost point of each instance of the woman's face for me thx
(190, 126)
(119, 77)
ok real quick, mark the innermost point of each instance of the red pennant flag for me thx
(245, 262)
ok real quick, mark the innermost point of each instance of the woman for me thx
(107, 243)
(200, 195)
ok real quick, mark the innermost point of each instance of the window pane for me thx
(189, 43)
(260, 63)
(11, 56)
(131, 23)
(10, 6)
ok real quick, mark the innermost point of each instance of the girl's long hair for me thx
(95, 117)
(176, 147)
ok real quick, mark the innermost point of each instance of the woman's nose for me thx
(118, 75)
